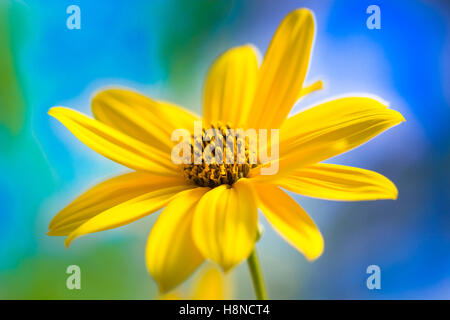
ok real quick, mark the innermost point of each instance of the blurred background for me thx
(163, 49)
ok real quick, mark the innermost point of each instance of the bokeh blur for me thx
(163, 49)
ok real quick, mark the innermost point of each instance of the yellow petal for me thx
(336, 182)
(290, 220)
(230, 86)
(114, 144)
(210, 285)
(350, 121)
(140, 117)
(327, 130)
(288, 162)
(171, 254)
(127, 212)
(283, 70)
(171, 296)
(107, 195)
(225, 224)
(318, 85)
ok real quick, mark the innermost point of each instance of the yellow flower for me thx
(209, 284)
(210, 212)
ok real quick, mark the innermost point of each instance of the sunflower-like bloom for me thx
(210, 211)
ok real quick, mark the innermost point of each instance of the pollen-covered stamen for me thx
(221, 157)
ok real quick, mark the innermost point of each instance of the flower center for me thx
(219, 156)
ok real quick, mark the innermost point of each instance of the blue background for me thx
(163, 48)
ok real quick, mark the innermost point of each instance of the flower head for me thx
(210, 208)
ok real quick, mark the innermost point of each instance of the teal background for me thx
(163, 48)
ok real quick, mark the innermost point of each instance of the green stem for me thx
(255, 271)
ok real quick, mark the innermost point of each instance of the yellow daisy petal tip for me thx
(110, 91)
(314, 258)
(170, 296)
(394, 192)
(66, 244)
(395, 196)
(391, 190)
(60, 113)
(315, 254)
(163, 289)
(53, 111)
(69, 240)
(319, 85)
(315, 249)
(397, 116)
(105, 90)
(226, 268)
(164, 286)
(255, 51)
(301, 12)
